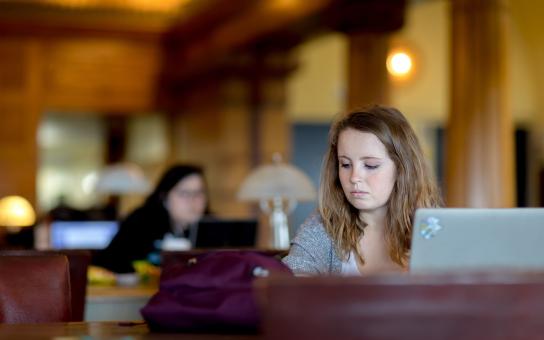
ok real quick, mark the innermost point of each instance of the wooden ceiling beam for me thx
(50, 21)
(256, 19)
(268, 25)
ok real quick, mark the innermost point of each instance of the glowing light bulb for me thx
(399, 64)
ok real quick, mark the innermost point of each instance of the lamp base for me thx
(280, 227)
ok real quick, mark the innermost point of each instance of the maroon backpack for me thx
(212, 292)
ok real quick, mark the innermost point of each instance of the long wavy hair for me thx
(414, 186)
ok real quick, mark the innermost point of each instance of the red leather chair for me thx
(78, 261)
(34, 289)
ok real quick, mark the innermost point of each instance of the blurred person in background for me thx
(172, 210)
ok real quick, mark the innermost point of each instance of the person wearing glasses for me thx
(172, 210)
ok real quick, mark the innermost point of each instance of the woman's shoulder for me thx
(312, 221)
(313, 228)
(312, 249)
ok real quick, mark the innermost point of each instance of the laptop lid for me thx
(223, 233)
(450, 239)
(82, 234)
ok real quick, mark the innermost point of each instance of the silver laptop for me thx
(82, 234)
(453, 239)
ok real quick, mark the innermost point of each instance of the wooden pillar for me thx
(270, 128)
(367, 74)
(479, 155)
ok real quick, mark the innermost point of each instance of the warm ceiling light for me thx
(154, 5)
(163, 6)
(399, 64)
(283, 5)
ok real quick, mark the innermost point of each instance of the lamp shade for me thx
(277, 180)
(273, 185)
(122, 178)
(16, 211)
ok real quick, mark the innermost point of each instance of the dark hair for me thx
(170, 178)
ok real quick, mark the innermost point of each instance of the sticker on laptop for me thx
(429, 228)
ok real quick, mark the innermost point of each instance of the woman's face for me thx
(187, 200)
(366, 172)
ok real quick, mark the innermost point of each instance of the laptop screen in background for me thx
(226, 234)
(82, 234)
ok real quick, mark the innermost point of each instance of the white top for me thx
(170, 242)
(349, 267)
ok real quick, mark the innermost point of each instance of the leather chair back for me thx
(78, 261)
(464, 305)
(34, 289)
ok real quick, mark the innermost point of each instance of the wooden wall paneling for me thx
(211, 129)
(274, 127)
(195, 133)
(20, 102)
(236, 146)
(101, 74)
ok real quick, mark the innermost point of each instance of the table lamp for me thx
(122, 178)
(16, 212)
(277, 187)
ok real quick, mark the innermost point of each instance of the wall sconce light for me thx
(401, 63)
(277, 187)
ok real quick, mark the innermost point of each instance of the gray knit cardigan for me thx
(312, 250)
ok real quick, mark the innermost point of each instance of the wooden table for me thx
(114, 303)
(170, 257)
(102, 330)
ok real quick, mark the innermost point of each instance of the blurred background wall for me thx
(225, 84)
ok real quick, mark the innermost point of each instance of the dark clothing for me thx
(136, 239)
